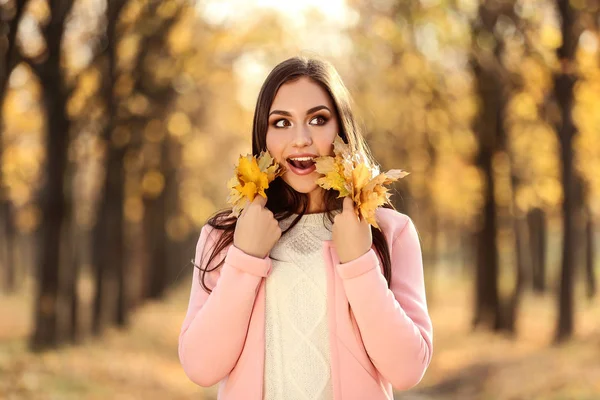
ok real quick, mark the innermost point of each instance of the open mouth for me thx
(301, 163)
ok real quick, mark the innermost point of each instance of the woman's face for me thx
(302, 126)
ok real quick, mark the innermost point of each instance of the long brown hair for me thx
(282, 199)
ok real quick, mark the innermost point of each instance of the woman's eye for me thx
(280, 123)
(320, 120)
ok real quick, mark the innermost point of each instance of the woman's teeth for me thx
(302, 162)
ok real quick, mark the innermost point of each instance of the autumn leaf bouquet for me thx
(351, 174)
(348, 172)
(251, 177)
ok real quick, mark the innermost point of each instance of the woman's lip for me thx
(302, 155)
(299, 171)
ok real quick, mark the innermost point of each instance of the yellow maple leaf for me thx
(251, 177)
(352, 175)
(334, 178)
(361, 175)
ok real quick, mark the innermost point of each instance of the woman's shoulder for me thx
(208, 231)
(391, 222)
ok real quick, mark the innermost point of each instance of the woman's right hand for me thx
(256, 231)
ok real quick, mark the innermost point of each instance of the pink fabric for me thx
(380, 338)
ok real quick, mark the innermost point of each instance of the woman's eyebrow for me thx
(310, 111)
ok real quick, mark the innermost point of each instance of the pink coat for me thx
(379, 338)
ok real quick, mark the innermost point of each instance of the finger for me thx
(261, 201)
(244, 209)
(348, 205)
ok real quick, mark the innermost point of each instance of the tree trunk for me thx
(522, 264)
(521, 247)
(566, 295)
(76, 261)
(109, 237)
(53, 211)
(54, 205)
(108, 243)
(7, 246)
(155, 219)
(487, 305)
(590, 256)
(175, 249)
(156, 245)
(8, 57)
(564, 83)
(138, 268)
(492, 87)
(536, 220)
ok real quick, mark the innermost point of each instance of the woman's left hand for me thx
(351, 235)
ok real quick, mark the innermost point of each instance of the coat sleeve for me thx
(394, 322)
(215, 326)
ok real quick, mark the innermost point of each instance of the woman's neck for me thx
(316, 201)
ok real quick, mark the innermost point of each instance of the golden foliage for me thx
(153, 183)
(179, 124)
(351, 175)
(251, 177)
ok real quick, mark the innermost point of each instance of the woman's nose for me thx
(302, 136)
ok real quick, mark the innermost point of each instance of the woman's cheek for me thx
(274, 150)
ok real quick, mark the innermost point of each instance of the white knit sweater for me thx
(297, 360)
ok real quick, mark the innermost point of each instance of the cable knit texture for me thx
(297, 356)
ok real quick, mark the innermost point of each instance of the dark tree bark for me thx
(522, 261)
(487, 303)
(7, 245)
(54, 205)
(72, 281)
(489, 129)
(584, 228)
(156, 215)
(109, 238)
(536, 220)
(108, 244)
(155, 219)
(522, 264)
(9, 23)
(164, 264)
(177, 253)
(53, 209)
(494, 85)
(564, 83)
(591, 286)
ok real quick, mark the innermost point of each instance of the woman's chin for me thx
(302, 185)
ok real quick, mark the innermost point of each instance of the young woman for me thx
(298, 298)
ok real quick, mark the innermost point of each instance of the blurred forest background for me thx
(120, 122)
